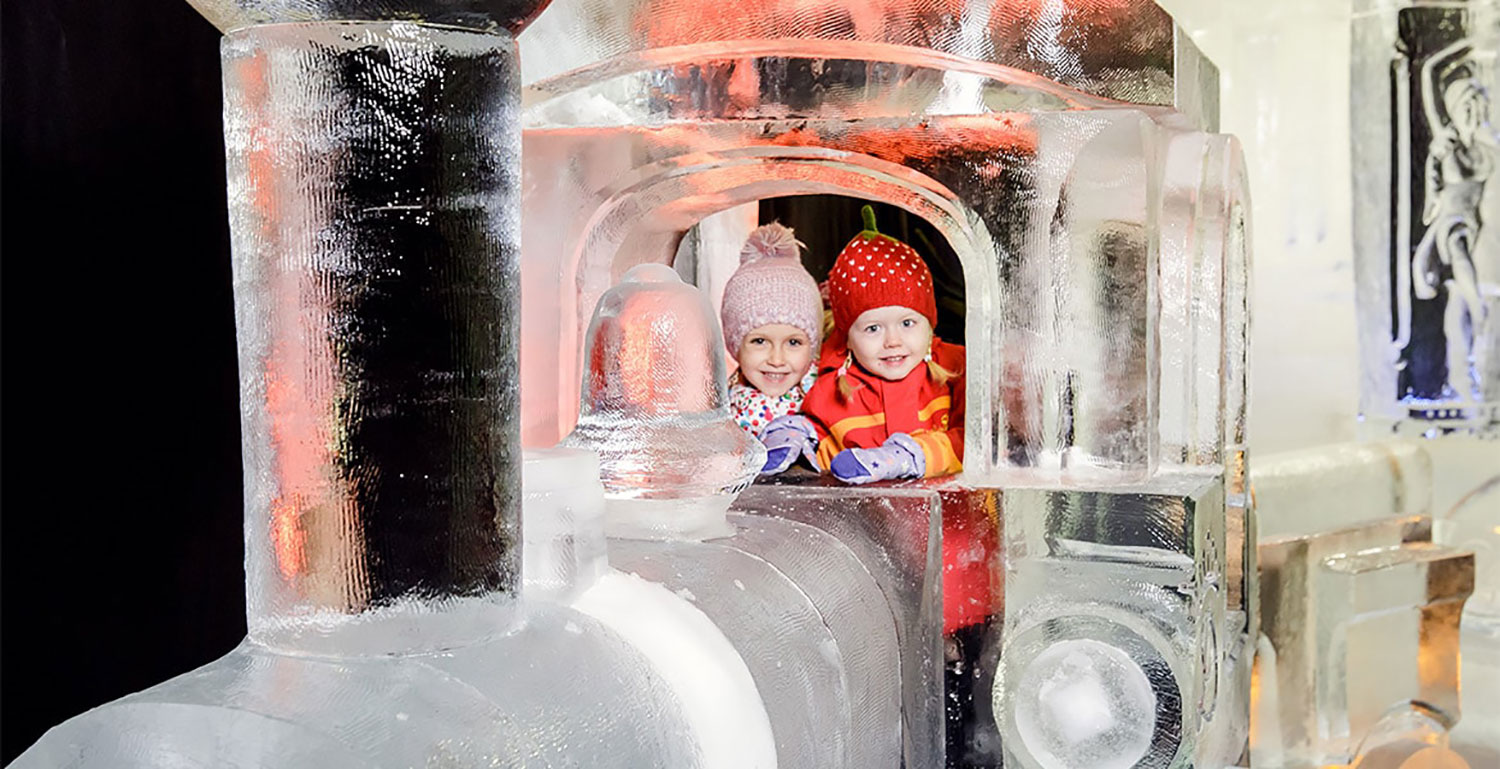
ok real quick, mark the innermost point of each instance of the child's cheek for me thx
(742, 361)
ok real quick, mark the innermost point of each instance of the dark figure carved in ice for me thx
(1459, 164)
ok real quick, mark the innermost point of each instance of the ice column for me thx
(564, 524)
(374, 222)
(372, 188)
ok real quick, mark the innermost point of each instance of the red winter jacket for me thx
(933, 415)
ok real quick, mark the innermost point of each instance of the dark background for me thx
(120, 524)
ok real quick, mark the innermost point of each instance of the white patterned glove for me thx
(787, 438)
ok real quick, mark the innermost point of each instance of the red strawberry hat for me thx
(877, 270)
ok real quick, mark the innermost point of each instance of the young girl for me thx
(889, 404)
(773, 322)
(889, 401)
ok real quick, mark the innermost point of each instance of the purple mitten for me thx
(785, 439)
(898, 457)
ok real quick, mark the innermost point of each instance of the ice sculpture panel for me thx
(1429, 268)
(1117, 600)
(1105, 253)
(894, 534)
(372, 377)
(1034, 204)
(1359, 622)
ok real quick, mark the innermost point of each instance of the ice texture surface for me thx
(655, 409)
(1339, 485)
(1474, 524)
(518, 701)
(784, 638)
(1085, 704)
(372, 212)
(707, 675)
(1121, 50)
(1358, 620)
(1109, 590)
(563, 524)
(480, 15)
(894, 534)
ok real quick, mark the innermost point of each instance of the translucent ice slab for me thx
(790, 645)
(1355, 622)
(893, 532)
(1125, 51)
(378, 426)
(1120, 644)
(482, 15)
(516, 701)
(1341, 484)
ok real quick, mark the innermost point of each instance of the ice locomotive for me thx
(423, 592)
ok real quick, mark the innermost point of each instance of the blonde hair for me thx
(942, 376)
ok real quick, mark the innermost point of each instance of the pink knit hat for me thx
(770, 287)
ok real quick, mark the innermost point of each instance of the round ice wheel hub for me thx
(1083, 704)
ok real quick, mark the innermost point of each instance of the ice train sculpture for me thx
(422, 591)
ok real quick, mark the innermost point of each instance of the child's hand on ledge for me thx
(898, 457)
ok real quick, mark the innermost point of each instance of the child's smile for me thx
(890, 341)
(775, 357)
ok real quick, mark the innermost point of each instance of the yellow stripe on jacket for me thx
(860, 432)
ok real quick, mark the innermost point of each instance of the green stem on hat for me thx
(870, 231)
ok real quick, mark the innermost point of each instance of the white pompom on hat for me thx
(770, 287)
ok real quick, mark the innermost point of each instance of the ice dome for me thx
(655, 409)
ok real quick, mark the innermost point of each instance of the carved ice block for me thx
(1356, 622)
(1337, 485)
(1119, 643)
(1423, 77)
(655, 408)
(1369, 124)
(812, 625)
(893, 532)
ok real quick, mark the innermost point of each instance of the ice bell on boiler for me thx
(654, 406)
